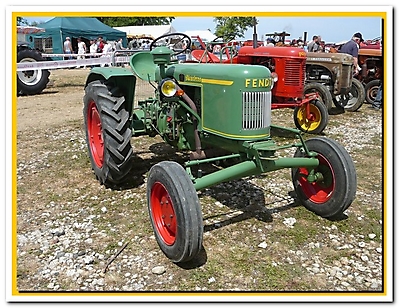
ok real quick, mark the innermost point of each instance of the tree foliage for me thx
(135, 21)
(21, 21)
(232, 27)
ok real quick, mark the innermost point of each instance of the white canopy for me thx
(146, 31)
(205, 35)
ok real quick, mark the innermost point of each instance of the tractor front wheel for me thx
(335, 186)
(311, 117)
(108, 133)
(175, 211)
(353, 100)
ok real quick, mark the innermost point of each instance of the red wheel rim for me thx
(163, 214)
(320, 191)
(95, 133)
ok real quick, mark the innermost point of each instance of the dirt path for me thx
(60, 102)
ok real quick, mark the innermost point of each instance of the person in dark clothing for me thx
(352, 48)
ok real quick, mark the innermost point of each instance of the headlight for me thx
(168, 87)
(274, 79)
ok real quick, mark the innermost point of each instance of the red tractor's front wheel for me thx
(175, 211)
(329, 189)
(108, 133)
(311, 117)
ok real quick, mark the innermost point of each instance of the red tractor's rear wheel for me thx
(335, 188)
(108, 134)
(311, 117)
(175, 211)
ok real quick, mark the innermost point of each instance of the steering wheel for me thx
(177, 46)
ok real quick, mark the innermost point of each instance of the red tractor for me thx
(288, 67)
(372, 64)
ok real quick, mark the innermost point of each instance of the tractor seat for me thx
(143, 66)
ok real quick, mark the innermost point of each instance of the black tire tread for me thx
(117, 133)
(343, 198)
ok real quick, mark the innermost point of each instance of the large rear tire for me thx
(324, 94)
(108, 134)
(175, 211)
(34, 81)
(335, 190)
(353, 100)
(314, 122)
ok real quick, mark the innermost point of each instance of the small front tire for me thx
(175, 211)
(336, 188)
(313, 121)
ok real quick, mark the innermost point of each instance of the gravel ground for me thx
(59, 238)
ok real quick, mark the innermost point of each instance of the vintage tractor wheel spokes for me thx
(108, 133)
(329, 189)
(353, 100)
(311, 117)
(95, 134)
(371, 89)
(175, 211)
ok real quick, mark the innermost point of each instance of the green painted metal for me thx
(222, 89)
(118, 77)
(248, 168)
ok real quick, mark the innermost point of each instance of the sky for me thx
(331, 29)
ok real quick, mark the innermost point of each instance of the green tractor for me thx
(214, 113)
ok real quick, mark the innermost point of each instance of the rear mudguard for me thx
(117, 77)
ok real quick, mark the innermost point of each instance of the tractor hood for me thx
(329, 58)
(242, 76)
(265, 51)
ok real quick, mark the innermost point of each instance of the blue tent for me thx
(88, 28)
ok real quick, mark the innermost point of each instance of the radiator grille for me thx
(295, 73)
(256, 110)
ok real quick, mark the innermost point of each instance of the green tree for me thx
(135, 21)
(232, 27)
(21, 21)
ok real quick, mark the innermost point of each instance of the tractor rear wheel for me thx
(334, 191)
(34, 81)
(353, 100)
(324, 94)
(371, 89)
(108, 134)
(313, 122)
(175, 211)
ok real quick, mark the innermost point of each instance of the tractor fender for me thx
(116, 77)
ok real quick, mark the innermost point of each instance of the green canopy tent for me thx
(58, 28)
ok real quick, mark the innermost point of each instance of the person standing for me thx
(352, 48)
(107, 50)
(67, 48)
(119, 44)
(82, 49)
(313, 46)
(100, 44)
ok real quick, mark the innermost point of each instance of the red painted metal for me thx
(318, 192)
(163, 214)
(94, 130)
